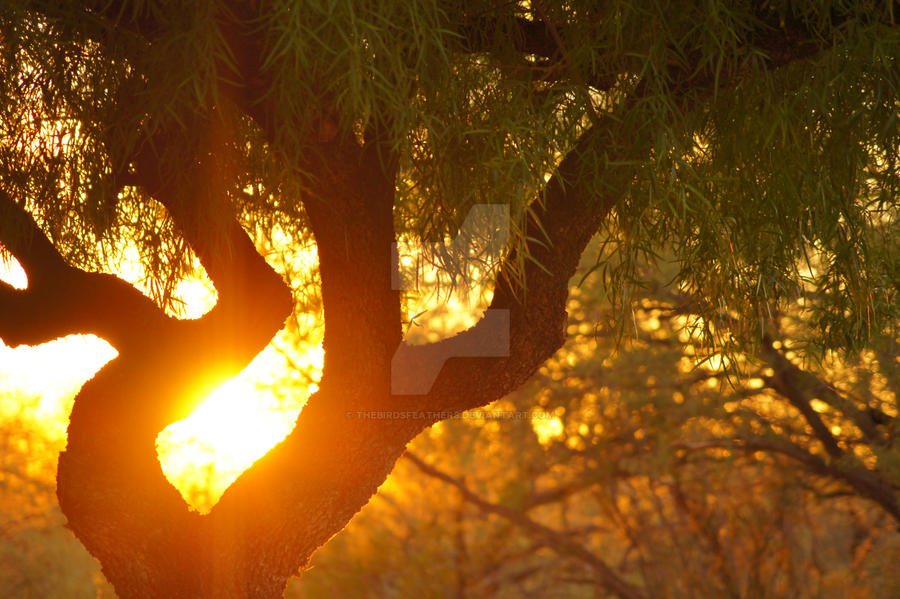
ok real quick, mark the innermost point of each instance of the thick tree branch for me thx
(253, 300)
(30, 246)
(109, 481)
(350, 209)
(786, 386)
(62, 300)
(800, 386)
(561, 224)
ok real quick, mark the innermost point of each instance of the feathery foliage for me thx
(765, 182)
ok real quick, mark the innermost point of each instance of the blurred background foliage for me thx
(39, 558)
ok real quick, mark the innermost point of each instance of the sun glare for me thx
(236, 425)
(202, 454)
(11, 272)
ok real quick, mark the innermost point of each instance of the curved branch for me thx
(62, 300)
(110, 483)
(560, 225)
(253, 299)
(25, 240)
(784, 382)
(799, 386)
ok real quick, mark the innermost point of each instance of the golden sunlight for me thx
(547, 427)
(239, 422)
(202, 454)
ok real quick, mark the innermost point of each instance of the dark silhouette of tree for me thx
(750, 137)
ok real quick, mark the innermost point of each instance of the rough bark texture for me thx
(269, 522)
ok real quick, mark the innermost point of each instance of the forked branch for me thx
(559, 228)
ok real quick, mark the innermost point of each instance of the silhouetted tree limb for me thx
(61, 300)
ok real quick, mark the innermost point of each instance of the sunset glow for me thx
(202, 454)
(240, 421)
(234, 427)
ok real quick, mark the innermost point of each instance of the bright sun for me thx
(202, 454)
(236, 425)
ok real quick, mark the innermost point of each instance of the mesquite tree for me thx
(755, 141)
